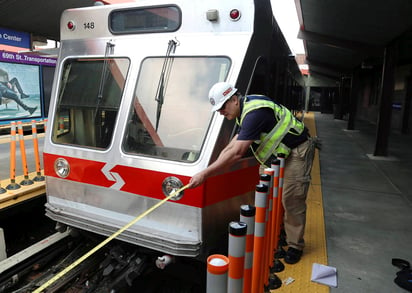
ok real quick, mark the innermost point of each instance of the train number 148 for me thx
(88, 25)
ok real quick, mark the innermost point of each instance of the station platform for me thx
(359, 210)
(11, 197)
(366, 215)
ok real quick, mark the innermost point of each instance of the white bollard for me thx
(217, 271)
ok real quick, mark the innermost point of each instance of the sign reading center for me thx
(14, 38)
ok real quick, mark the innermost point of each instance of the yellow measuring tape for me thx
(103, 243)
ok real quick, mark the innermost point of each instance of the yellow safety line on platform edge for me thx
(107, 240)
(25, 192)
(315, 237)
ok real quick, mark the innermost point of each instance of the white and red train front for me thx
(130, 121)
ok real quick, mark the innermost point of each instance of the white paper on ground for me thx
(324, 275)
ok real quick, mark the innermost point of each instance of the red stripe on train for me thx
(149, 183)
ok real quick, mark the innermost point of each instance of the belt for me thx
(295, 145)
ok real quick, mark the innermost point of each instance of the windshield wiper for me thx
(164, 78)
(103, 77)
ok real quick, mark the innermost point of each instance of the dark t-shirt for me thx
(263, 120)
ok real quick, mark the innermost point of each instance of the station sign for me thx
(6, 56)
(14, 38)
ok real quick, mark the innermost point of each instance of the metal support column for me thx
(307, 98)
(353, 100)
(407, 105)
(385, 108)
(340, 107)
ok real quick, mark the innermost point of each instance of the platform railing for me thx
(29, 184)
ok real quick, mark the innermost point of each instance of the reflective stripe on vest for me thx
(271, 143)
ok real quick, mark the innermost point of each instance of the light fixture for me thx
(171, 185)
(62, 167)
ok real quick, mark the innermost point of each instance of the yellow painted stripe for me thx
(315, 237)
(25, 192)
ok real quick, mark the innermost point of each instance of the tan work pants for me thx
(298, 166)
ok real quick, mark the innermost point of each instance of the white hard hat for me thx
(220, 93)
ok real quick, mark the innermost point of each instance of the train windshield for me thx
(170, 112)
(89, 99)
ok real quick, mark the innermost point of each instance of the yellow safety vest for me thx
(271, 143)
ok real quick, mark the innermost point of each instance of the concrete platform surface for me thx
(367, 204)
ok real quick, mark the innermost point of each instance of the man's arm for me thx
(229, 155)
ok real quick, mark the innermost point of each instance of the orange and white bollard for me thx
(13, 185)
(38, 176)
(237, 245)
(281, 212)
(281, 158)
(45, 125)
(26, 180)
(217, 270)
(61, 124)
(267, 179)
(277, 265)
(276, 204)
(247, 215)
(2, 190)
(258, 245)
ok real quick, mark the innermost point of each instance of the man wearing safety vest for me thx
(268, 129)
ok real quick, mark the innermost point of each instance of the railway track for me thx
(38, 254)
(117, 267)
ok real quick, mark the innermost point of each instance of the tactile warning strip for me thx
(315, 238)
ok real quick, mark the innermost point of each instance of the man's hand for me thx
(196, 180)
(229, 155)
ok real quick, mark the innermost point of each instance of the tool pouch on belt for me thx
(404, 276)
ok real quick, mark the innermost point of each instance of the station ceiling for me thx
(339, 35)
(40, 17)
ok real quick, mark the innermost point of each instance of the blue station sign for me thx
(14, 38)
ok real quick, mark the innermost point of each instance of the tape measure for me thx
(107, 240)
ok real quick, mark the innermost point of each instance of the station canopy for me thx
(41, 18)
(338, 35)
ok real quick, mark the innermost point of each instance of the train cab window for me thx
(170, 113)
(89, 99)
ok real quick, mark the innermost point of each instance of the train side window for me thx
(89, 99)
(170, 113)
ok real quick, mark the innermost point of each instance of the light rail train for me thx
(130, 120)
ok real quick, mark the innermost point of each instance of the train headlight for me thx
(170, 185)
(61, 167)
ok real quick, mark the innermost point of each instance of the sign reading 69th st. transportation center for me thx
(14, 38)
